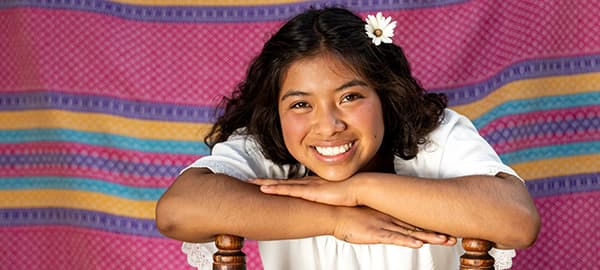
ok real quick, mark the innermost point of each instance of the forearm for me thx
(198, 206)
(486, 207)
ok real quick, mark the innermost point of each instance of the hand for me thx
(363, 225)
(311, 188)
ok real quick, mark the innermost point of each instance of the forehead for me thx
(320, 68)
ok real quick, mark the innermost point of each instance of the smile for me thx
(335, 150)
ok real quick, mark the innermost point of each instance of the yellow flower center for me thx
(378, 32)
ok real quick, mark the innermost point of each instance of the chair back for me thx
(229, 255)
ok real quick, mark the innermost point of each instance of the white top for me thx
(454, 149)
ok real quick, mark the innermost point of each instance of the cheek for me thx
(371, 120)
(293, 129)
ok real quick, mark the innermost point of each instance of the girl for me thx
(380, 174)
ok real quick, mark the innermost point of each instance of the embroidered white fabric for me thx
(503, 258)
(199, 255)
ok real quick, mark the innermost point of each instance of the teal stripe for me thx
(552, 151)
(104, 139)
(537, 104)
(81, 184)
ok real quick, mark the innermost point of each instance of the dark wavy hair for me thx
(410, 113)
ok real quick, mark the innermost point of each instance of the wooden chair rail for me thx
(230, 256)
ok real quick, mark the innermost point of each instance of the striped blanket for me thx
(103, 102)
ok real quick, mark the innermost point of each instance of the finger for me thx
(418, 233)
(451, 241)
(399, 239)
(264, 181)
(405, 225)
(430, 237)
(275, 189)
(299, 191)
(268, 181)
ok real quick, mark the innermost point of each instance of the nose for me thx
(328, 121)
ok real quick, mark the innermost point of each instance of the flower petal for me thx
(384, 23)
(377, 41)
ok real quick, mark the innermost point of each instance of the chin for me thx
(333, 176)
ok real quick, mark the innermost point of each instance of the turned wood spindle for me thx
(476, 255)
(229, 255)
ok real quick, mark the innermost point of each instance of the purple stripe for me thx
(107, 105)
(122, 167)
(547, 127)
(202, 114)
(522, 71)
(220, 14)
(563, 185)
(79, 218)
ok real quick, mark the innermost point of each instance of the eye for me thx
(299, 105)
(351, 97)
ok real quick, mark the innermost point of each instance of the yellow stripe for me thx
(77, 199)
(206, 2)
(103, 123)
(532, 88)
(553, 167)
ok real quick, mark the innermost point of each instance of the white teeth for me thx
(332, 151)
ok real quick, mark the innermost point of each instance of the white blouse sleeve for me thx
(465, 152)
(238, 157)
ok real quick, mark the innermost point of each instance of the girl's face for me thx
(331, 119)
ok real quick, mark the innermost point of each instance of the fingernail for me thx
(418, 243)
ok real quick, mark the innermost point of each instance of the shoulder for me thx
(451, 124)
(454, 148)
(241, 156)
(461, 150)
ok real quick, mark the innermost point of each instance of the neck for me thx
(383, 162)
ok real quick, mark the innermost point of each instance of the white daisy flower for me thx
(380, 28)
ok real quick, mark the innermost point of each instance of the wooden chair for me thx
(230, 256)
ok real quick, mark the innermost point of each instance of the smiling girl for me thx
(346, 161)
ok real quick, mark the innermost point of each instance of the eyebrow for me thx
(349, 84)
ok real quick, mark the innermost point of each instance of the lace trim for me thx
(199, 255)
(503, 258)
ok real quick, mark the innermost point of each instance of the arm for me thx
(200, 205)
(495, 208)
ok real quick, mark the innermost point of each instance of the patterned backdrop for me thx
(103, 102)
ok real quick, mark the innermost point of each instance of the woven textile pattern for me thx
(102, 103)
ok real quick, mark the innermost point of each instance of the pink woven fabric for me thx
(135, 87)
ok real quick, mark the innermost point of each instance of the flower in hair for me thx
(380, 28)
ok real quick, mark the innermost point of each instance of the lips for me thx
(330, 151)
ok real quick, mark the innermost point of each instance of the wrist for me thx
(360, 188)
(340, 219)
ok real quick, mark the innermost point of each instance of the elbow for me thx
(524, 231)
(174, 220)
(166, 218)
(532, 230)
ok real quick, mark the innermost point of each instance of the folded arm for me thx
(496, 208)
(200, 205)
